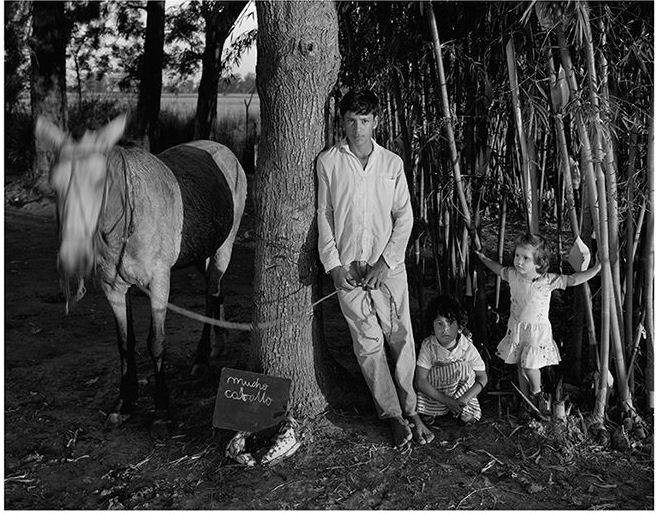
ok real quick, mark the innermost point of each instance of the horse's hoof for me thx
(159, 429)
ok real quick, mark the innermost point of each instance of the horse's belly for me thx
(208, 206)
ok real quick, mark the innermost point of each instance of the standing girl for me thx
(529, 341)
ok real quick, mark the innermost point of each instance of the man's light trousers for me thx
(374, 316)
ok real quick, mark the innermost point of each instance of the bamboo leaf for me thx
(560, 91)
(544, 14)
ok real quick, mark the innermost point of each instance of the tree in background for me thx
(128, 45)
(90, 63)
(17, 24)
(50, 33)
(18, 128)
(150, 89)
(219, 19)
(297, 44)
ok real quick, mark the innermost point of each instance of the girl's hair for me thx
(541, 250)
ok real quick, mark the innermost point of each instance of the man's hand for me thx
(376, 275)
(343, 279)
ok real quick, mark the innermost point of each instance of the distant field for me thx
(229, 106)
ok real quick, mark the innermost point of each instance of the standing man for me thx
(365, 219)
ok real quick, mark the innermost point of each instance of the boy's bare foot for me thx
(401, 433)
(420, 432)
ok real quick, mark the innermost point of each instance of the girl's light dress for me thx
(529, 341)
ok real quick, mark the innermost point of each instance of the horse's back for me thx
(207, 176)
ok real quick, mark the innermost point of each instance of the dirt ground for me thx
(61, 374)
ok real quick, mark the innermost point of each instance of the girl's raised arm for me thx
(583, 276)
(493, 266)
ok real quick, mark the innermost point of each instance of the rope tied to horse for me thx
(232, 325)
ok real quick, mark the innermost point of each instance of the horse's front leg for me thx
(214, 310)
(119, 300)
(159, 294)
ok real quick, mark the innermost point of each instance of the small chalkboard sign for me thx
(250, 402)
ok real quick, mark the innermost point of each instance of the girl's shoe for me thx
(542, 402)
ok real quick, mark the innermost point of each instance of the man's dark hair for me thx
(360, 101)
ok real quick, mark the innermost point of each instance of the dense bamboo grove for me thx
(509, 118)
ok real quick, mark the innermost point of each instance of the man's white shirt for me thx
(362, 213)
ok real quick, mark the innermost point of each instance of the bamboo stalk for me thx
(608, 155)
(629, 278)
(648, 301)
(559, 129)
(639, 225)
(608, 282)
(455, 159)
(529, 185)
(543, 173)
(587, 166)
(397, 80)
(636, 343)
(500, 243)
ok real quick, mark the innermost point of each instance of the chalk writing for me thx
(254, 384)
(244, 397)
(249, 401)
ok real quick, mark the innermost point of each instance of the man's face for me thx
(359, 128)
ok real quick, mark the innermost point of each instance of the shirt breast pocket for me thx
(385, 192)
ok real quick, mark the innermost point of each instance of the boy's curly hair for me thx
(542, 253)
(448, 307)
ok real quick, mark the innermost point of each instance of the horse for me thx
(131, 217)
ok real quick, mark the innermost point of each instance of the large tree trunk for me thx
(150, 89)
(16, 34)
(48, 82)
(219, 18)
(297, 65)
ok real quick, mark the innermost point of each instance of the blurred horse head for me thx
(79, 180)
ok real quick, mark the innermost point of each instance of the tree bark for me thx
(219, 19)
(150, 90)
(50, 32)
(297, 66)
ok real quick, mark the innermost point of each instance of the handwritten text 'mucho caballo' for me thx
(259, 397)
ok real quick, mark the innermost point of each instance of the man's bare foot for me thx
(401, 433)
(420, 432)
